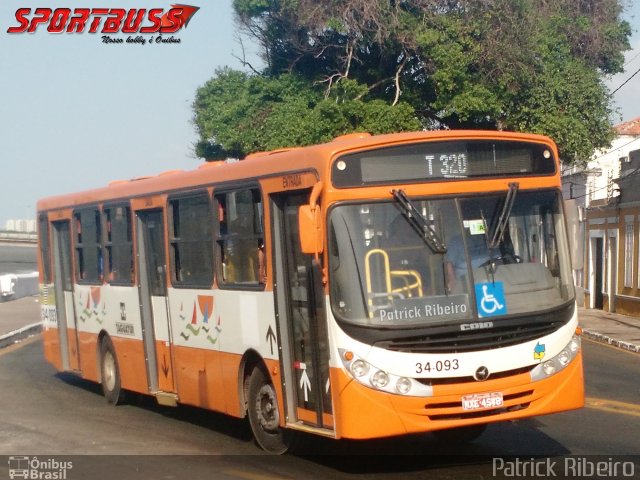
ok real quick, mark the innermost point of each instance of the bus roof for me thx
(265, 164)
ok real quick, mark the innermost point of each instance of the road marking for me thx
(613, 406)
(20, 344)
(604, 344)
(250, 475)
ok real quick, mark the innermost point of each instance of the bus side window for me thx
(89, 261)
(240, 238)
(191, 241)
(118, 245)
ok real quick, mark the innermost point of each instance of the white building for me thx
(21, 225)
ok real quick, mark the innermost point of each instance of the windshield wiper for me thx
(498, 226)
(418, 222)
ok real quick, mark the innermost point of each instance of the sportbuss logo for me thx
(107, 21)
(33, 468)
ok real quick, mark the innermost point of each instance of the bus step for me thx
(166, 398)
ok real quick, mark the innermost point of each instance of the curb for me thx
(599, 337)
(20, 334)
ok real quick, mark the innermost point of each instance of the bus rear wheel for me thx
(264, 416)
(111, 384)
(460, 434)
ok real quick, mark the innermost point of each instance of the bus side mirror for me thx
(310, 228)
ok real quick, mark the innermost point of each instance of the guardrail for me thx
(13, 286)
(22, 237)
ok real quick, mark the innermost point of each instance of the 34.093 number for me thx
(439, 366)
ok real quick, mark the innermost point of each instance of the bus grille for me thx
(471, 341)
(453, 410)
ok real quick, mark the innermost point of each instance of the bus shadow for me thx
(413, 453)
(405, 454)
(218, 422)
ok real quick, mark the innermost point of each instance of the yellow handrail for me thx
(403, 275)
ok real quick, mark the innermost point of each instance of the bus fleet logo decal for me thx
(138, 23)
(122, 327)
(538, 351)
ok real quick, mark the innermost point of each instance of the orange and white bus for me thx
(368, 287)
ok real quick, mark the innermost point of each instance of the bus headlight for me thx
(359, 368)
(549, 368)
(563, 358)
(380, 379)
(574, 344)
(557, 363)
(403, 385)
(368, 375)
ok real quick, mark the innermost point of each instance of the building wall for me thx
(604, 168)
(619, 229)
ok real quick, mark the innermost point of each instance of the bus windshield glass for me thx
(402, 282)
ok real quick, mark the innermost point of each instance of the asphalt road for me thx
(49, 414)
(16, 258)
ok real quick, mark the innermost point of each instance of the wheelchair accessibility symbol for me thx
(490, 299)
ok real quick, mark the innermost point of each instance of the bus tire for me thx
(111, 384)
(263, 413)
(460, 434)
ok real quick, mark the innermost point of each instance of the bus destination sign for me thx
(449, 160)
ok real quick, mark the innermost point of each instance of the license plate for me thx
(479, 401)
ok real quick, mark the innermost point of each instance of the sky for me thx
(76, 113)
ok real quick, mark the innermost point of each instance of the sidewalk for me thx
(611, 328)
(19, 319)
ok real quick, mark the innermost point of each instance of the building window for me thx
(118, 245)
(628, 255)
(191, 240)
(240, 238)
(88, 247)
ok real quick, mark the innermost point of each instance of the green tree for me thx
(237, 113)
(335, 66)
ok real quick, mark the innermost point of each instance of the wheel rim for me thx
(109, 371)
(267, 409)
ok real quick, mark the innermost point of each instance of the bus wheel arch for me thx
(110, 377)
(259, 399)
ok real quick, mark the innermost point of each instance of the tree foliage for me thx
(335, 66)
(237, 113)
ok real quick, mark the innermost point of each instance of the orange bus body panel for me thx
(366, 413)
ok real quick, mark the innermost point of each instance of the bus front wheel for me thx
(111, 386)
(264, 416)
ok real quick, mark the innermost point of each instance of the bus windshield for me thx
(400, 281)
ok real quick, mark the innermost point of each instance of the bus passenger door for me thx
(152, 284)
(301, 319)
(65, 308)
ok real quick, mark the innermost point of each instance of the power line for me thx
(632, 59)
(632, 174)
(625, 82)
(562, 172)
